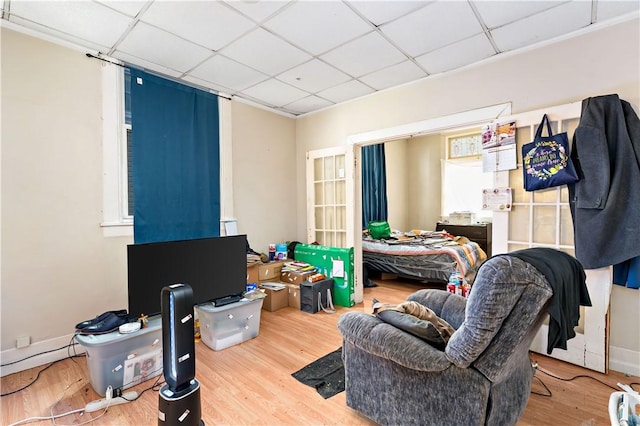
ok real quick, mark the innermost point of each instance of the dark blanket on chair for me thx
(567, 279)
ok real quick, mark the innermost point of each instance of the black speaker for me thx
(179, 357)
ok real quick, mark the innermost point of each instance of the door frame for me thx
(459, 120)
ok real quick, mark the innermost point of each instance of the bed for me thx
(428, 256)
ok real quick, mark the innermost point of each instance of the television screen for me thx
(215, 268)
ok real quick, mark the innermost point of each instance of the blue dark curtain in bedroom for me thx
(176, 160)
(374, 184)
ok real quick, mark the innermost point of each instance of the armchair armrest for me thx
(386, 341)
(448, 306)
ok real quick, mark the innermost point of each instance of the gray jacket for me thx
(605, 202)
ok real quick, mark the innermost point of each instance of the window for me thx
(118, 203)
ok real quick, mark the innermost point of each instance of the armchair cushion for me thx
(420, 328)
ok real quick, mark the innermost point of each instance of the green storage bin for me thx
(328, 261)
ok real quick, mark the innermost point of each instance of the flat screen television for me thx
(215, 268)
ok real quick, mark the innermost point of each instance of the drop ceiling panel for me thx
(308, 104)
(313, 76)
(130, 8)
(435, 25)
(85, 20)
(265, 52)
(207, 23)
(345, 91)
(160, 47)
(364, 55)
(543, 26)
(257, 10)
(381, 12)
(317, 26)
(228, 73)
(394, 75)
(448, 58)
(497, 13)
(275, 93)
(279, 53)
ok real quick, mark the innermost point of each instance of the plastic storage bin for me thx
(123, 360)
(224, 326)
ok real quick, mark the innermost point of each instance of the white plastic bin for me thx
(224, 326)
(123, 360)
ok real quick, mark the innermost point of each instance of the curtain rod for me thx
(124, 65)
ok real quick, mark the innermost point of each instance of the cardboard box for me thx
(294, 295)
(294, 277)
(252, 273)
(334, 262)
(228, 325)
(123, 360)
(270, 271)
(276, 299)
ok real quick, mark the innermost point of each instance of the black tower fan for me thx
(179, 398)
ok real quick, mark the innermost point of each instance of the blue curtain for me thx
(176, 160)
(374, 184)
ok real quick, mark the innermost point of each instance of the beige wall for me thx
(595, 63)
(395, 153)
(264, 176)
(425, 181)
(57, 268)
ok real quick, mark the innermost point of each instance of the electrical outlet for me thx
(23, 342)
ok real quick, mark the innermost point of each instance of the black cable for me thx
(41, 353)
(548, 394)
(578, 377)
(32, 382)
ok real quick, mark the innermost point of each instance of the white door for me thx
(327, 195)
(543, 219)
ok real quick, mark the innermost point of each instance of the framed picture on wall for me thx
(467, 145)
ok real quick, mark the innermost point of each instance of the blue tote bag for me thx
(546, 162)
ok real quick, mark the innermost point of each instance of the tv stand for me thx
(227, 300)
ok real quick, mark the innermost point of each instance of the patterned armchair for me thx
(483, 377)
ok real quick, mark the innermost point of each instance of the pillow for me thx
(420, 328)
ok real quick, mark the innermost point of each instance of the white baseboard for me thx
(624, 361)
(42, 348)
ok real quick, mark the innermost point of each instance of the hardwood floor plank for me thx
(251, 383)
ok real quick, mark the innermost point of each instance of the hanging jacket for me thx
(605, 202)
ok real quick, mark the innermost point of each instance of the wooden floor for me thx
(251, 383)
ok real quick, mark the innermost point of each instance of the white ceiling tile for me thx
(611, 9)
(265, 52)
(133, 60)
(207, 23)
(345, 91)
(308, 104)
(432, 27)
(160, 47)
(462, 53)
(56, 36)
(313, 76)
(497, 13)
(275, 93)
(317, 26)
(364, 55)
(227, 73)
(86, 20)
(542, 26)
(131, 8)
(381, 12)
(258, 10)
(206, 85)
(394, 75)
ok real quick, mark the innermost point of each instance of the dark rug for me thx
(326, 374)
